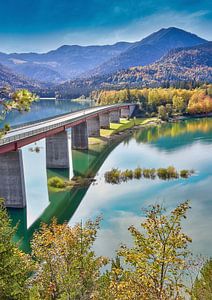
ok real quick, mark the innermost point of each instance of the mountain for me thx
(7, 77)
(192, 64)
(149, 50)
(63, 63)
(183, 64)
(72, 61)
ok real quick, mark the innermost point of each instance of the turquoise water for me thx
(44, 109)
(186, 145)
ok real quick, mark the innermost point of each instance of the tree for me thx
(179, 103)
(19, 100)
(67, 267)
(154, 267)
(162, 113)
(203, 285)
(169, 109)
(15, 266)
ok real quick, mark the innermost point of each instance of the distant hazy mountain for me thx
(149, 50)
(179, 65)
(7, 77)
(64, 63)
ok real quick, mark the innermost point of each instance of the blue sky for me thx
(41, 25)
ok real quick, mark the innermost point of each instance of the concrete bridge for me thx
(83, 124)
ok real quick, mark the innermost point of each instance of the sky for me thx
(42, 25)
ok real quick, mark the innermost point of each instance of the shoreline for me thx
(123, 130)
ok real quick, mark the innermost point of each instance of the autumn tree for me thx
(15, 266)
(155, 266)
(67, 267)
(179, 104)
(19, 100)
(202, 289)
(162, 113)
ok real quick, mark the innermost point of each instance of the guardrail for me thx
(17, 137)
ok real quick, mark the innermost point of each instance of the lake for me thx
(44, 109)
(186, 145)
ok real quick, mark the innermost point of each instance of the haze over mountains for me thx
(64, 63)
(7, 77)
(101, 65)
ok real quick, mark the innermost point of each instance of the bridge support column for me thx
(114, 116)
(79, 136)
(132, 109)
(12, 185)
(125, 112)
(57, 154)
(104, 120)
(93, 125)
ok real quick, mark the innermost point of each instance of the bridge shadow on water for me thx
(62, 205)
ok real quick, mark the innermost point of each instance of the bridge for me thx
(85, 123)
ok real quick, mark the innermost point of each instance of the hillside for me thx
(184, 64)
(150, 49)
(180, 65)
(7, 77)
(63, 63)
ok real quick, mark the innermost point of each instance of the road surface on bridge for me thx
(47, 126)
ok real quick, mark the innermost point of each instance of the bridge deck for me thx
(27, 134)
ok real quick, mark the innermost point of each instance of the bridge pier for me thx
(115, 116)
(57, 154)
(12, 184)
(125, 112)
(93, 125)
(132, 109)
(104, 120)
(79, 136)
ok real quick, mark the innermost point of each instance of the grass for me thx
(97, 140)
(125, 124)
(58, 184)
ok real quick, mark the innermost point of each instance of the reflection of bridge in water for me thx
(83, 124)
(63, 205)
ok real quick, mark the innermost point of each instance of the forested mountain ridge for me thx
(184, 64)
(149, 50)
(193, 64)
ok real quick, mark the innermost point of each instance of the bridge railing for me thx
(22, 125)
(30, 133)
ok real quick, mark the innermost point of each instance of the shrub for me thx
(184, 173)
(137, 173)
(146, 173)
(152, 173)
(162, 173)
(128, 174)
(56, 182)
(113, 176)
(172, 173)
